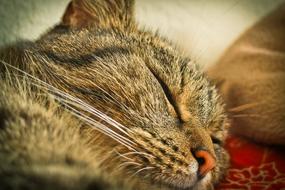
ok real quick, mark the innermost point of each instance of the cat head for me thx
(162, 119)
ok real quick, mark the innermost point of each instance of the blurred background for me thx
(202, 28)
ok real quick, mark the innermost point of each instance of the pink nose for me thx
(206, 162)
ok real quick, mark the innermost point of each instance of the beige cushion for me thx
(251, 78)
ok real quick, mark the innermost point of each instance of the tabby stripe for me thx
(87, 58)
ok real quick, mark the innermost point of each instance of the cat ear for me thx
(100, 13)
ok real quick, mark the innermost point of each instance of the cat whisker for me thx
(73, 103)
(129, 163)
(96, 113)
(142, 169)
(243, 107)
(99, 126)
(123, 156)
(247, 115)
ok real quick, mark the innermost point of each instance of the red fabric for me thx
(254, 166)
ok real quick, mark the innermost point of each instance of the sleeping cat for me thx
(97, 103)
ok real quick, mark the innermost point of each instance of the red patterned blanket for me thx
(254, 166)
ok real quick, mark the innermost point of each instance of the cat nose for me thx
(205, 160)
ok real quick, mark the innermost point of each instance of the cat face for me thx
(163, 120)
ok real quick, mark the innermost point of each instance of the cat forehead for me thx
(89, 38)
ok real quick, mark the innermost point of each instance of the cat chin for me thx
(181, 183)
(192, 183)
(195, 184)
(205, 183)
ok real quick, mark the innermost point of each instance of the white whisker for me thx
(99, 126)
(125, 164)
(81, 107)
(123, 156)
(143, 169)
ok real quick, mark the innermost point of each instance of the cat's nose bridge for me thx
(200, 139)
